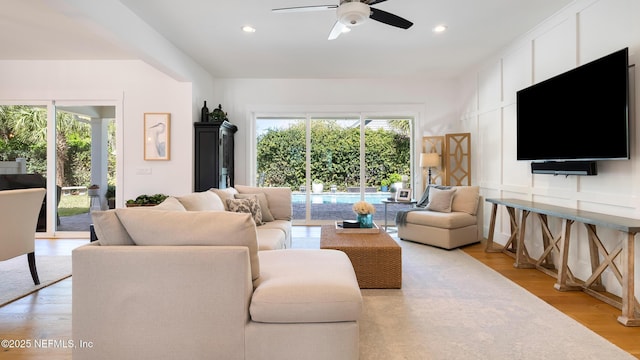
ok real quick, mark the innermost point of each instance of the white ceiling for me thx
(285, 45)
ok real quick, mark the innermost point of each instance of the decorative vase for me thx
(204, 116)
(365, 220)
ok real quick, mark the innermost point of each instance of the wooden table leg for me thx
(563, 266)
(492, 229)
(595, 257)
(629, 314)
(522, 261)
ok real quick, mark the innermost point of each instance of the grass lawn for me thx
(73, 205)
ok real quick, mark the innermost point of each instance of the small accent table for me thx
(387, 202)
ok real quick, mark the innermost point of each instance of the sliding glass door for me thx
(330, 162)
(66, 149)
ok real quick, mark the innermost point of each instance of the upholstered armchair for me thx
(19, 211)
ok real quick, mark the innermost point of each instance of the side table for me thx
(387, 202)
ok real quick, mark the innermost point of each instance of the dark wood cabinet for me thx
(214, 161)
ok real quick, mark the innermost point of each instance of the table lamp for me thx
(429, 160)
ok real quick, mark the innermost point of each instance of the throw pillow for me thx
(466, 199)
(279, 199)
(170, 204)
(425, 196)
(224, 194)
(251, 206)
(264, 204)
(440, 200)
(201, 201)
(109, 230)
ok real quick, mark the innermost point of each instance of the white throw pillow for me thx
(440, 200)
(170, 204)
(202, 201)
(224, 194)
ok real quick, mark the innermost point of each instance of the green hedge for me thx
(335, 155)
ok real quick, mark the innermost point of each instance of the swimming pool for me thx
(339, 198)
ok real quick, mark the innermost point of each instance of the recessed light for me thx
(440, 29)
(248, 29)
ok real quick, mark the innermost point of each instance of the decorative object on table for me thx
(350, 224)
(146, 200)
(403, 195)
(217, 115)
(204, 115)
(429, 160)
(341, 229)
(364, 212)
(157, 132)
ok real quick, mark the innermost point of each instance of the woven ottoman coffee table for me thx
(376, 258)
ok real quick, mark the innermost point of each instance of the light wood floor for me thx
(46, 314)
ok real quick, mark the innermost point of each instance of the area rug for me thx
(15, 278)
(451, 306)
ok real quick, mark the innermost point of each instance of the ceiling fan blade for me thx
(390, 19)
(338, 28)
(373, 2)
(305, 8)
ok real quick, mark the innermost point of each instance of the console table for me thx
(516, 247)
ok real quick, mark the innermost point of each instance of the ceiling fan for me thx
(353, 13)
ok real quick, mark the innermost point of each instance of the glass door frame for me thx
(403, 111)
(51, 158)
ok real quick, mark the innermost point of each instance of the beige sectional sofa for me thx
(166, 284)
(274, 229)
(452, 218)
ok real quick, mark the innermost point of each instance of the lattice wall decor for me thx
(455, 152)
(458, 159)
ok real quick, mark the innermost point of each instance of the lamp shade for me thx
(429, 160)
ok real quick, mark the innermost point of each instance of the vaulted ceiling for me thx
(284, 45)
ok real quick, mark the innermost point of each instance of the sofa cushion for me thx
(201, 201)
(171, 204)
(466, 199)
(264, 204)
(250, 206)
(279, 199)
(224, 194)
(281, 225)
(440, 199)
(270, 239)
(165, 228)
(453, 220)
(109, 229)
(302, 285)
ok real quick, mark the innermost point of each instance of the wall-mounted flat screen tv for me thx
(582, 114)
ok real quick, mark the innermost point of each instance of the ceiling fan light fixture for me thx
(353, 13)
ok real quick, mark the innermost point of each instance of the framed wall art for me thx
(157, 136)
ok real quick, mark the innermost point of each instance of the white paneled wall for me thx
(582, 32)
